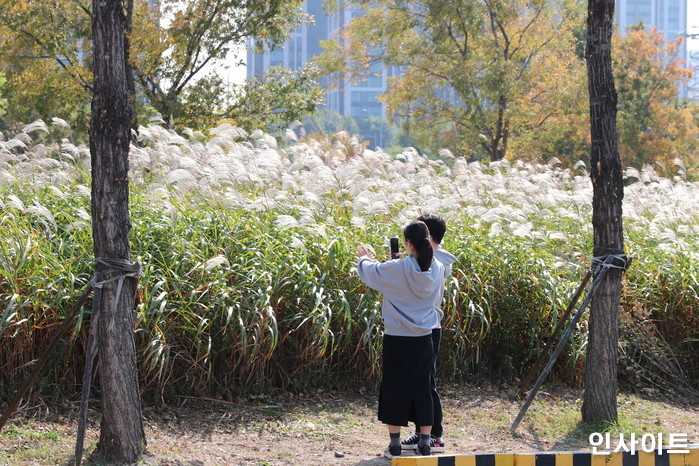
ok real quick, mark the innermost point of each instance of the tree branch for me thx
(61, 62)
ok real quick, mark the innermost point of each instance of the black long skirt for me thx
(406, 388)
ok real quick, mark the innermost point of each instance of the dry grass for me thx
(339, 428)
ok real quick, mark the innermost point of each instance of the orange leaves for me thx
(653, 125)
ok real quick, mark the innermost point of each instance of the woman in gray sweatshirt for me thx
(410, 286)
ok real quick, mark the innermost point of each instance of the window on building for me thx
(365, 104)
(296, 53)
(660, 8)
(638, 10)
(276, 57)
(673, 16)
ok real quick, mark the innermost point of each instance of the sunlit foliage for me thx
(45, 57)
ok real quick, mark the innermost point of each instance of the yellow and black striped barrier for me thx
(641, 458)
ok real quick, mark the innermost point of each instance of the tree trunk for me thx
(501, 132)
(600, 400)
(496, 146)
(130, 80)
(122, 437)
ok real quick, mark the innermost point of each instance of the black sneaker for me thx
(436, 446)
(392, 451)
(425, 450)
(411, 442)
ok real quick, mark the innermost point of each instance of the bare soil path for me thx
(328, 428)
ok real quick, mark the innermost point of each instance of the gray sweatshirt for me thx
(409, 294)
(447, 259)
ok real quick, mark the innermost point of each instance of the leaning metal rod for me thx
(559, 348)
(67, 322)
(561, 322)
(87, 377)
(117, 270)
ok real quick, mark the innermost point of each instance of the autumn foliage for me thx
(498, 79)
(653, 125)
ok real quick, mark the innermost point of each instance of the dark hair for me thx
(436, 225)
(419, 236)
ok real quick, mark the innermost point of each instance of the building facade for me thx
(303, 44)
(668, 16)
(693, 86)
(356, 99)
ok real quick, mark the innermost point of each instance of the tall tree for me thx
(178, 40)
(280, 97)
(45, 52)
(43, 56)
(122, 437)
(600, 400)
(468, 65)
(653, 123)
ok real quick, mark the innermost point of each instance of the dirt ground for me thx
(328, 428)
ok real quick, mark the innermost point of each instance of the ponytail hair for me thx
(419, 236)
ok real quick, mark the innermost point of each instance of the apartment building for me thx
(358, 100)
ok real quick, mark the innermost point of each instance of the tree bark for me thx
(600, 400)
(122, 437)
(130, 80)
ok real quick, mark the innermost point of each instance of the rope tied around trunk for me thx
(107, 270)
(113, 270)
(110, 270)
(616, 260)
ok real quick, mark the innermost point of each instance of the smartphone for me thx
(394, 248)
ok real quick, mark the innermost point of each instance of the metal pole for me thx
(558, 349)
(87, 378)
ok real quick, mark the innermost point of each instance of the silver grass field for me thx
(247, 247)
